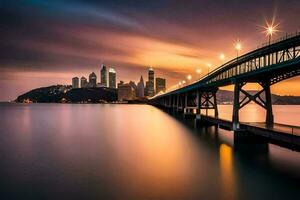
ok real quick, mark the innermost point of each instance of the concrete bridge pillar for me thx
(236, 107)
(198, 106)
(185, 102)
(269, 110)
(177, 102)
(215, 105)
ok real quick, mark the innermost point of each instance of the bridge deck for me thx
(279, 133)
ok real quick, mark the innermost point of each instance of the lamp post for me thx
(271, 29)
(209, 65)
(198, 71)
(179, 84)
(189, 78)
(222, 57)
(238, 47)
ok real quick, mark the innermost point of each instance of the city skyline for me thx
(107, 78)
(130, 38)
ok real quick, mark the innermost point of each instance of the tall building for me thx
(125, 92)
(103, 73)
(83, 82)
(160, 85)
(112, 78)
(75, 82)
(92, 80)
(150, 88)
(140, 88)
(146, 89)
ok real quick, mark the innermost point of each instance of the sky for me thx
(48, 42)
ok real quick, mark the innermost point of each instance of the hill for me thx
(61, 94)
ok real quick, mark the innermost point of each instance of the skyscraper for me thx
(75, 82)
(112, 78)
(150, 82)
(83, 82)
(140, 88)
(103, 73)
(160, 85)
(92, 79)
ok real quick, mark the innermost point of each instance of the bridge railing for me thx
(287, 36)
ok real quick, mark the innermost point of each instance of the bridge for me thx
(274, 62)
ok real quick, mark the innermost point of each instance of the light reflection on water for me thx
(284, 114)
(131, 152)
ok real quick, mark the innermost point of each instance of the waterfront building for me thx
(92, 80)
(146, 89)
(125, 92)
(121, 83)
(112, 78)
(141, 88)
(160, 85)
(100, 85)
(103, 73)
(133, 85)
(83, 82)
(150, 86)
(75, 82)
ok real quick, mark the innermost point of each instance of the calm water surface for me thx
(53, 151)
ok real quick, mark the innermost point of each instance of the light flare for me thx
(271, 28)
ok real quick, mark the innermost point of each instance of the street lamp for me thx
(270, 29)
(222, 56)
(209, 65)
(198, 71)
(238, 47)
(183, 82)
(189, 78)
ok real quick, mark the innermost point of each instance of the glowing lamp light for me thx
(198, 71)
(271, 28)
(183, 82)
(189, 77)
(222, 56)
(238, 45)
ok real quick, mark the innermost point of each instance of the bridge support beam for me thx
(268, 104)
(185, 103)
(198, 105)
(265, 102)
(236, 107)
(177, 102)
(209, 101)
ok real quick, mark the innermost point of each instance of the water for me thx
(55, 151)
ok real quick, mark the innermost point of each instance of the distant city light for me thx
(189, 77)
(183, 82)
